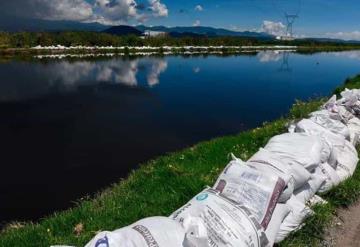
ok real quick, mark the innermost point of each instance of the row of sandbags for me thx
(261, 201)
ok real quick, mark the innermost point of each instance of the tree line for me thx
(31, 39)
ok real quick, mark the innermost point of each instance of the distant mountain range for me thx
(37, 25)
(330, 40)
(208, 31)
(123, 30)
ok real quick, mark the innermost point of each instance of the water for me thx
(72, 127)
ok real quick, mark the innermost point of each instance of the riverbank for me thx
(162, 185)
(89, 51)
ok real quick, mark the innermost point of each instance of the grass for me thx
(164, 184)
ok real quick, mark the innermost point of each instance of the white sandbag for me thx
(332, 178)
(294, 220)
(281, 211)
(306, 192)
(297, 148)
(257, 191)
(354, 130)
(268, 162)
(350, 99)
(227, 223)
(324, 119)
(341, 114)
(331, 139)
(330, 105)
(347, 159)
(154, 232)
(337, 111)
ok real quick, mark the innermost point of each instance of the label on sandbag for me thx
(149, 239)
(227, 223)
(255, 190)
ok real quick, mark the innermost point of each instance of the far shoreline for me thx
(166, 50)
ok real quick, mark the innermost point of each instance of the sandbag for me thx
(332, 178)
(347, 159)
(331, 139)
(257, 191)
(297, 148)
(268, 162)
(351, 100)
(330, 105)
(227, 223)
(306, 192)
(281, 211)
(324, 119)
(149, 232)
(337, 111)
(354, 130)
(294, 220)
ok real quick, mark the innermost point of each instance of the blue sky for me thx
(317, 18)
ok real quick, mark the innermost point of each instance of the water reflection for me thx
(276, 56)
(348, 54)
(74, 126)
(270, 56)
(64, 76)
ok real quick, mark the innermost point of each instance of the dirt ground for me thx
(345, 228)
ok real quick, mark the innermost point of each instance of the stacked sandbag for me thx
(220, 221)
(256, 190)
(149, 232)
(261, 201)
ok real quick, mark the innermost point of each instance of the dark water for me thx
(70, 128)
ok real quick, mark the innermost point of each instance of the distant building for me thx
(287, 38)
(149, 33)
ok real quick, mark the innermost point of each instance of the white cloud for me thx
(273, 28)
(196, 23)
(110, 12)
(355, 35)
(114, 11)
(158, 9)
(73, 10)
(199, 8)
(236, 28)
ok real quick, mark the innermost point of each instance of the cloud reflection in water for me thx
(66, 76)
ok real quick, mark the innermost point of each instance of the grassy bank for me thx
(162, 185)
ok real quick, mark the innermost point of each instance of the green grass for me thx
(164, 184)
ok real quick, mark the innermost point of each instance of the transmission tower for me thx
(290, 19)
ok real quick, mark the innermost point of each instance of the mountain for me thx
(330, 40)
(186, 34)
(123, 30)
(208, 31)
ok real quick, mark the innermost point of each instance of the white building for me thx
(149, 33)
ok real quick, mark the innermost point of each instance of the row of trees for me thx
(31, 39)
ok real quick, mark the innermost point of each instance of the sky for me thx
(317, 18)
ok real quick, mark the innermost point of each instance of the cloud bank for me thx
(273, 28)
(111, 12)
(354, 35)
(199, 8)
(196, 23)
